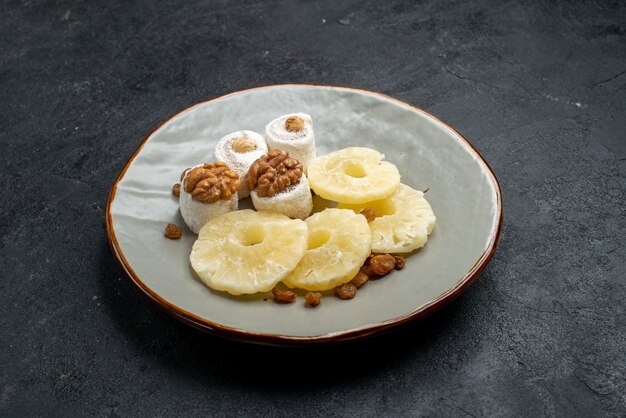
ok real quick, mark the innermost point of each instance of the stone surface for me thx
(538, 87)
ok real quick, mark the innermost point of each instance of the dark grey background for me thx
(539, 87)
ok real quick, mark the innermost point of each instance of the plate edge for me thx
(353, 334)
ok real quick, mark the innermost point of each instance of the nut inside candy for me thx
(294, 124)
(243, 145)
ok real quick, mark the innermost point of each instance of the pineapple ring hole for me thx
(318, 238)
(354, 169)
(250, 235)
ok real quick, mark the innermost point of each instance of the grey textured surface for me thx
(538, 87)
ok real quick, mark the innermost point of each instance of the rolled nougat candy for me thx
(239, 150)
(277, 182)
(207, 191)
(293, 133)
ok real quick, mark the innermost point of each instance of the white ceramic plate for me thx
(463, 192)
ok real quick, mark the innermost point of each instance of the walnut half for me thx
(211, 182)
(273, 173)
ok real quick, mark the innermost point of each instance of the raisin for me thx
(382, 264)
(313, 298)
(173, 231)
(360, 279)
(283, 296)
(346, 291)
(400, 262)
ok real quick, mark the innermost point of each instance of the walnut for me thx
(369, 214)
(313, 299)
(176, 190)
(273, 173)
(243, 145)
(294, 124)
(173, 231)
(182, 175)
(209, 183)
(346, 291)
(283, 296)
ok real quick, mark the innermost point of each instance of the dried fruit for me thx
(346, 291)
(283, 296)
(353, 176)
(233, 250)
(294, 124)
(176, 190)
(360, 279)
(313, 298)
(400, 262)
(403, 220)
(382, 264)
(339, 241)
(173, 231)
(273, 173)
(369, 214)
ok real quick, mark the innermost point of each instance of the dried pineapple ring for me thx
(353, 175)
(403, 221)
(246, 252)
(339, 243)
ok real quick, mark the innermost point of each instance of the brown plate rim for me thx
(351, 334)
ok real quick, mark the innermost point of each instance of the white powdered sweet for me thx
(196, 214)
(295, 201)
(300, 145)
(240, 161)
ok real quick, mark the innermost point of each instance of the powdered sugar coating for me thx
(240, 162)
(295, 201)
(300, 145)
(196, 214)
